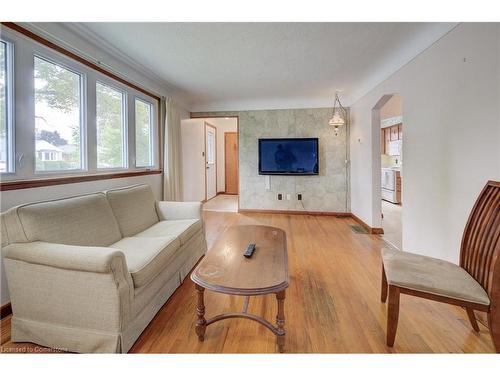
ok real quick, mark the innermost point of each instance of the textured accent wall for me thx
(326, 192)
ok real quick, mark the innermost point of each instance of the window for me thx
(210, 147)
(58, 117)
(6, 163)
(83, 120)
(143, 134)
(110, 127)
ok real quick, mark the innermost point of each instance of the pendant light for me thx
(339, 115)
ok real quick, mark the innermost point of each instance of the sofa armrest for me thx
(178, 210)
(82, 287)
(70, 257)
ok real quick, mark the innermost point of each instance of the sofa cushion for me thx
(184, 229)
(134, 208)
(435, 276)
(147, 257)
(85, 220)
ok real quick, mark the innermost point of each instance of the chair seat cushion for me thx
(147, 257)
(184, 229)
(430, 275)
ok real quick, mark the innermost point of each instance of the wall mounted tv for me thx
(288, 156)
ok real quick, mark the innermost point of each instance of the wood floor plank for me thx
(332, 304)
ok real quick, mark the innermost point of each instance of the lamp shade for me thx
(338, 115)
(336, 120)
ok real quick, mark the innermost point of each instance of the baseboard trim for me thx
(315, 213)
(5, 310)
(370, 229)
(286, 212)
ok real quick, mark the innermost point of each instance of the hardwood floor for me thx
(332, 305)
(392, 224)
(222, 203)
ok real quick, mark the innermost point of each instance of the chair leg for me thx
(472, 319)
(392, 314)
(494, 325)
(383, 294)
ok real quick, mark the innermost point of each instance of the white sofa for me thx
(88, 273)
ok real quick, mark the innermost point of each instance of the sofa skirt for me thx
(68, 339)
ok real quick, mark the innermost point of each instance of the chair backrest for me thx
(480, 250)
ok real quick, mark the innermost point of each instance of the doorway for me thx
(388, 124)
(210, 161)
(220, 163)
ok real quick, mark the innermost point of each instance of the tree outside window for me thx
(110, 127)
(57, 117)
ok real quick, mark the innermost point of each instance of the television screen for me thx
(288, 156)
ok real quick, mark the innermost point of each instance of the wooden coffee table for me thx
(225, 270)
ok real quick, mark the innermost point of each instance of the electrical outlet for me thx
(280, 197)
(288, 197)
(299, 197)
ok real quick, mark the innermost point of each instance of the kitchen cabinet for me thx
(382, 141)
(390, 134)
(394, 133)
(387, 135)
(398, 188)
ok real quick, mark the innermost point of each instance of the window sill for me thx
(36, 183)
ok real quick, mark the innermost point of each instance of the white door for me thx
(210, 161)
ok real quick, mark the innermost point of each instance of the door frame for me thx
(205, 166)
(377, 163)
(237, 161)
(195, 116)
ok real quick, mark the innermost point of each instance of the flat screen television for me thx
(288, 156)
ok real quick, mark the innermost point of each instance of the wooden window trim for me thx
(36, 183)
(33, 183)
(47, 43)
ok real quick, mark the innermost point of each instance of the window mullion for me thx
(91, 124)
(24, 113)
(132, 157)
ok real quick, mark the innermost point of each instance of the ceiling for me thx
(235, 66)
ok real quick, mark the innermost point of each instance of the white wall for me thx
(450, 96)
(193, 160)
(223, 125)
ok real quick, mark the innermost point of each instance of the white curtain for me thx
(172, 153)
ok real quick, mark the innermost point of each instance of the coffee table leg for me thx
(280, 321)
(201, 323)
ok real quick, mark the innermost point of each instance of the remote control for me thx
(249, 251)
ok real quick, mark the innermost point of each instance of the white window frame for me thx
(152, 150)
(125, 137)
(83, 106)
(23, 150)
(9, 107)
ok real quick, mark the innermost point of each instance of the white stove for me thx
(389, 184)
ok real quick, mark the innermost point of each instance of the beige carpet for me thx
(222, 203)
